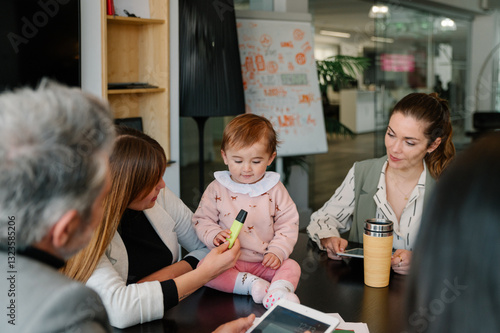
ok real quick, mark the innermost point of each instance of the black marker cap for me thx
(242, 215)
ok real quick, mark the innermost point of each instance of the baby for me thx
(271, 228)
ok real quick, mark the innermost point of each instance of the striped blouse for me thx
(335, 216)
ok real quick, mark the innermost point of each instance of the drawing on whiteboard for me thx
(280, 82)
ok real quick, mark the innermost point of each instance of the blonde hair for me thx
(137, 164)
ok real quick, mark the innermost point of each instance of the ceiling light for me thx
(382, 39)
(448, 24)
(335, 34)
(379, 11)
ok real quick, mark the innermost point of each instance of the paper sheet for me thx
(356, 327)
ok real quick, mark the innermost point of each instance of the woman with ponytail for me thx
(396, 186)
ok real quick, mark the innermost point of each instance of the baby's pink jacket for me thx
(272, 223)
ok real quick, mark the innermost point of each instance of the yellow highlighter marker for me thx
(236, 227)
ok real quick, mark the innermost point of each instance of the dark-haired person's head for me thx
(454, 276)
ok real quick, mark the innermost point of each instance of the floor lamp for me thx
(211, 84)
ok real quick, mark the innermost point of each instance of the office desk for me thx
(326, 285)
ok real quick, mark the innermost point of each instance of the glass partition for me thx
(418, 51)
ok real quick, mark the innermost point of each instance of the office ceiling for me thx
(342, 15)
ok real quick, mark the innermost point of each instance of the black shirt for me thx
(147, 253)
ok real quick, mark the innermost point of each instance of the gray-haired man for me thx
(54, 149)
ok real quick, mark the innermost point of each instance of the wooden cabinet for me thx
(136, 50)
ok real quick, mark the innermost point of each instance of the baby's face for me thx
(248, 165)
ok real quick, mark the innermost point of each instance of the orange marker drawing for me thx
(259, 60)
(298, 34)
(300, 58)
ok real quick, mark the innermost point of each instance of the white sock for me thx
(259, 290)
(277, 290)
(249, 284)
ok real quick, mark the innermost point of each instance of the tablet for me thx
(356, 253)
(288, 317)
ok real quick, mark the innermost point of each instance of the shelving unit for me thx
(133, 20)
(135, 91)
(136, 50)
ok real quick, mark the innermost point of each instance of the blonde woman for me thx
(132, 260)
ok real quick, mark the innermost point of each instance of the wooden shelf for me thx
(135, 91)
(137, 50)
(133, 20)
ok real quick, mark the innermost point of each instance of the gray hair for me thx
(54, 149)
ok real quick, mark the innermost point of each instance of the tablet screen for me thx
(282, 320)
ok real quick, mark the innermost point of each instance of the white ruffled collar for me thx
(253, 190)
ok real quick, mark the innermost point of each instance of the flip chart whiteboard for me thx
(281, 83)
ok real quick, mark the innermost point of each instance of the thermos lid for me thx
(378, 225)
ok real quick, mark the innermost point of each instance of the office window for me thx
(418, 51)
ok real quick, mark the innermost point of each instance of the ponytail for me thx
(435, 111)
(441, 127)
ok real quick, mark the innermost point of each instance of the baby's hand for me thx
(222, 237)
(271, 261)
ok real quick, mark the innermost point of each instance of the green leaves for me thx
(339, 70)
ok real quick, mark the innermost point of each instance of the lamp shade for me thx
(211, 83)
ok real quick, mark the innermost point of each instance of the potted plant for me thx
(338, 72)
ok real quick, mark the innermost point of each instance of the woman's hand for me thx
(216, 261)
(220, 259)
(222, 237)
(271, 261)
(236, 326)
(334, 245)
(400, 261)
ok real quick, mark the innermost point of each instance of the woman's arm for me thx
(138, 303)
(336, 214)
(169, 272)
(126, 305)
(217, 261)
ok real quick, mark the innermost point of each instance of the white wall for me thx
(91, 46)
(172, 174)
(484, 54)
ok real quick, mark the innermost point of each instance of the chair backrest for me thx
(486, 120)
(133, 122)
